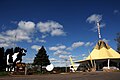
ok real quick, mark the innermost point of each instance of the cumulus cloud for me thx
(105, 40)
(22, 32)
(57, 32)
(59, 52)
(3, 27)
(69, 48)
(44, 36)
(18, 35)
(58, 47)
(36, 47)
(63, 56)
(26, 29)
(83, 55)
(77, 44)
(94, 18)
(4, 45)
(40, 40)
(95, 28)
(27, 60)
(116, 11)
(53, 59)
(52, 27)
(27, 26)
(4, 42)
(89, 44)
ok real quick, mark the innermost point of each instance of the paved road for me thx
(69, 76)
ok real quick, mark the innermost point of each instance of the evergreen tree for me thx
(41, 58)
(2, 59)
(118, 42)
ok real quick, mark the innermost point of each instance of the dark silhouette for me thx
(41, 58)
(10, 53)
(2, 59)
(118, 42)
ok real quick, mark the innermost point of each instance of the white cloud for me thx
(83, 55)
(52, 27)
(69, 48)
(59, 52)
(116, 11)
(44, 27)
(95, 28)
(44, 36)
(57, 32)
(58, 47)
(29, 41)
(17, 35)
(28, 59)
(89, 44)
(77, 44)
(27, 26)
(36, 47)
(3, 27)
(38, 40)
(74, 58)
(4, 45)
(5, 41)
(105, 40)
(14, 22)
(53, 59)
(22, 32)
(26, 29)
(42, 41)
(63, 56)
(94, 18)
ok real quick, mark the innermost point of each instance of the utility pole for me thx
(66, 65)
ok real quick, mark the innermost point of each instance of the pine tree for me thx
(41, 58)
(2, 59)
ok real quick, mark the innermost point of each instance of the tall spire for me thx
(98, 26)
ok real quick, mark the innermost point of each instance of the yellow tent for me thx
(103, 51)
(102, 55)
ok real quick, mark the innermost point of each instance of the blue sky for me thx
(65, 28)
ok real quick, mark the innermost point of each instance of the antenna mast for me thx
(98, 26)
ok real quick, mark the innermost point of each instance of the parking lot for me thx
(67, 76)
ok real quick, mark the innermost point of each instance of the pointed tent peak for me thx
(101, 44)
(42, 48)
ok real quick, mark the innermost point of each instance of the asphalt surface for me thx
(67, 76)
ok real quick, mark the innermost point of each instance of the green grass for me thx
(3, 73)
